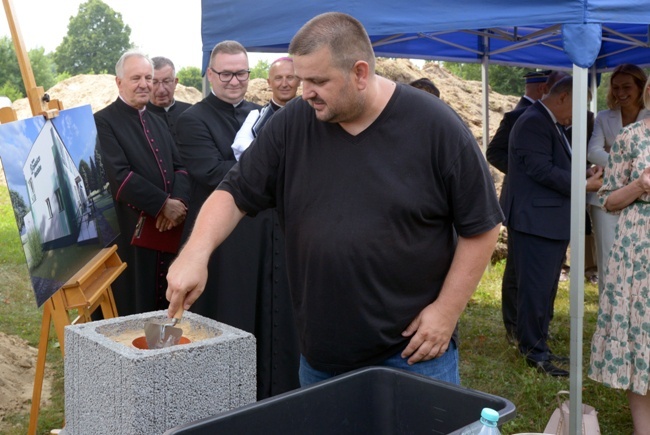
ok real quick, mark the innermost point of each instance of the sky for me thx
(44, 23)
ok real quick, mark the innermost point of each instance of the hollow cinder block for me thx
(112, 388)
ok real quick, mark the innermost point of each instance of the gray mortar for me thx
(114, 389)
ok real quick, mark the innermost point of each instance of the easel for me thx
(90, 287)
(87, 290)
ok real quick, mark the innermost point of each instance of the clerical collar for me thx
(275, 104)
(236, 105)
(139, 110)
(170, 106)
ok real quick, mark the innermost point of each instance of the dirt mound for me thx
(97, 90)
(463, 96)
(17, 371)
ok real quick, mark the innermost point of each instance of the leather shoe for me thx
(558, 358)
(547, 368)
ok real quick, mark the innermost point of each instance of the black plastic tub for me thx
(373, 400)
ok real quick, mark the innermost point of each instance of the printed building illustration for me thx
(58, 203)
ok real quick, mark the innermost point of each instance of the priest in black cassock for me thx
(161, 100)
(147, 179)
(247, 283)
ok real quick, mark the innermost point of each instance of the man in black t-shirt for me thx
(388, 208)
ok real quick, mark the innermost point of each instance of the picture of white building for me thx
(56, 193)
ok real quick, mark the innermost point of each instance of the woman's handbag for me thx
(559, 422)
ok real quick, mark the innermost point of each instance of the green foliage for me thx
(20, 208)
(11, 249)
(62, 76)
(35, 248)
(13, 85)
(190, 76)
(96, 39)
(506, 80)
(601, 92)
(10, 91)
(261, 70)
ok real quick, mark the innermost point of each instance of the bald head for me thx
(283, 81)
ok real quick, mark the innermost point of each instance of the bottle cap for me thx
(490, 414)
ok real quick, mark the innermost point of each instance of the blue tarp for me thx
(532, 33)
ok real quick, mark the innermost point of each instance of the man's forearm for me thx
(470, 260)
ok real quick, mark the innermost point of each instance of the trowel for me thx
(163, 332)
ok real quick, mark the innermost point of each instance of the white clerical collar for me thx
(276, 103)
(170, 106)
(234, 105)
(139, 110)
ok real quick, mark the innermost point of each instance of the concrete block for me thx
(114, 388)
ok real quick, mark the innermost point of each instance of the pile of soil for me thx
(18, 362)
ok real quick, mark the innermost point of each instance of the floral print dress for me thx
(620, 347)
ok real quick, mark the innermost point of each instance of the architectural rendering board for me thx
(61, 199)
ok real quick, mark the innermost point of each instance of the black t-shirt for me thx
(370, 220)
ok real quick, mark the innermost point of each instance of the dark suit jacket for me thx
(522, 103)
(539, 177)
(497, 149)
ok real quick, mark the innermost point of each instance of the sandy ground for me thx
(18, 360)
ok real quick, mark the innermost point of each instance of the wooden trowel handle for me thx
(179, 314)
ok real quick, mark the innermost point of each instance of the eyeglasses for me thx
(226, 76)
(166, 82)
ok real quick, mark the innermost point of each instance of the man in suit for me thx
(535, 88)
(537, 210)
(161, 99)
(497, 155)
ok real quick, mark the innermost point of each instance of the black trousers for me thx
(538, 262)
(509, 292)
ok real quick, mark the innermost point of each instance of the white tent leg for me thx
(578, 166)
(485, 99)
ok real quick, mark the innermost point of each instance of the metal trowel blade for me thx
(171, 335)
(153, 332)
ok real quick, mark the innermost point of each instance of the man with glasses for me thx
(161, 99)
(248, 284)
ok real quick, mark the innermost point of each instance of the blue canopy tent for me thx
(558, 34)
(525, 33)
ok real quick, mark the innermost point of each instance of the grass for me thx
(20, 316)
(488, 363)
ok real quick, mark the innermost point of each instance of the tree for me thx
(96, 39)
(20, 208)
(261, 70)
(190, 76)
(506, 80)
(12, 84)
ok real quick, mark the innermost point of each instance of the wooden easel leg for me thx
(40, 367)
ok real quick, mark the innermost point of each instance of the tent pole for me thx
(485, 95)
(578, 207)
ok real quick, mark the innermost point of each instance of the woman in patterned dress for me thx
(620, 348)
